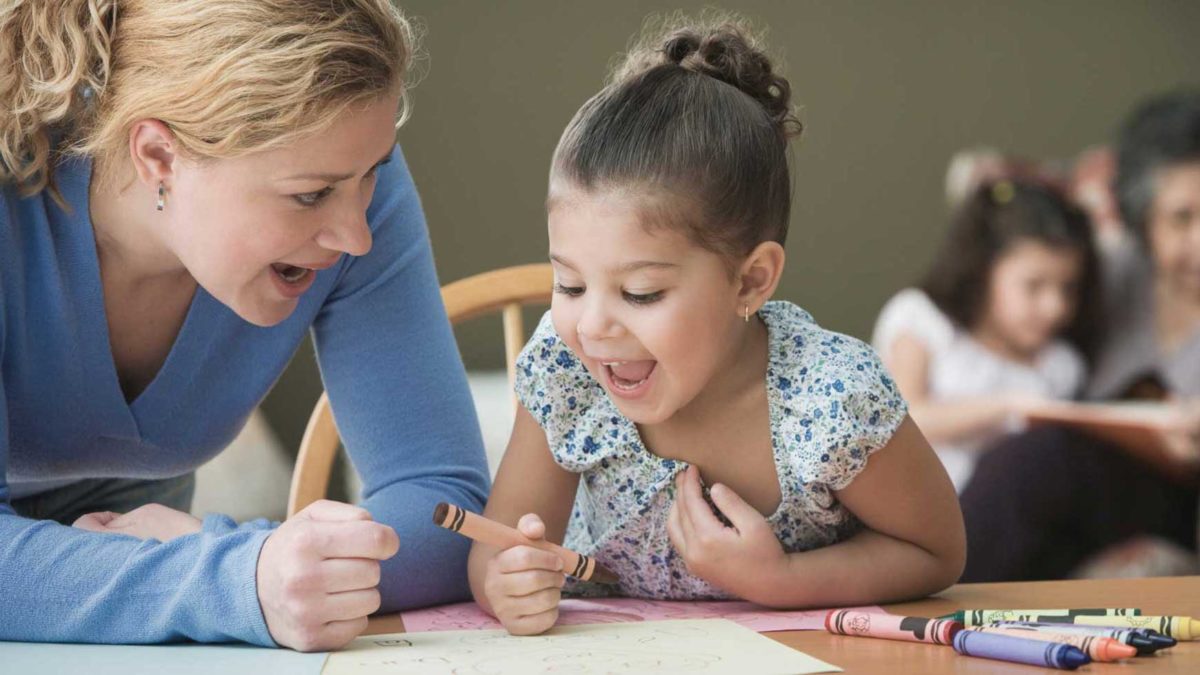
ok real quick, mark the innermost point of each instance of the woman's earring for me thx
(746, 313)
(162, 200)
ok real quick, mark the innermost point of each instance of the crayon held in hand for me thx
(490, 532)
(891, 626)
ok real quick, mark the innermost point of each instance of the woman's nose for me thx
(351, 234)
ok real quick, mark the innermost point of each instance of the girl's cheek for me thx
(564, 324)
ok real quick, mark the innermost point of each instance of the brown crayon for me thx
(481, 529)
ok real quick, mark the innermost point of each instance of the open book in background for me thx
(1138, 427)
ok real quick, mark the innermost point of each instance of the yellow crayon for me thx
(982, 617)
(1178, 627)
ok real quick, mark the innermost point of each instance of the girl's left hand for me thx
(741, 559)
(152, 521)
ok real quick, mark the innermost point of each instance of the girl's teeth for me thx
(625, 383)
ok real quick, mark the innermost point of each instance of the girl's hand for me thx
(1182, 440)
(742, 559)
(524, 584)
(152, 521)
(1020, 405)
(1017, 408)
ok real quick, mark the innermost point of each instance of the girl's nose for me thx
(1055, 305)
(596, 322)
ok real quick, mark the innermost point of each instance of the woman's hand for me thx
(524, 584)
(742, 559)
(152, 521)
(318, 575)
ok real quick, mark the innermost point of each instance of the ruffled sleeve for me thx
(840, 403)
(583, 428)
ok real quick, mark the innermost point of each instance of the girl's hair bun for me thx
(719, 46)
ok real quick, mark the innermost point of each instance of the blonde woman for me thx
(189, 188)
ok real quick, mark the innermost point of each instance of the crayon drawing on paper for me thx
(692, 646)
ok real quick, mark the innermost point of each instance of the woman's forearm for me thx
(62, 584)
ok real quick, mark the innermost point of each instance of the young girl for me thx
(662, 368)
(999, 323)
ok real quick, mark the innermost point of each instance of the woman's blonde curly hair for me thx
(228, 77)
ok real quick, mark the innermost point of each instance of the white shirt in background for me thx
(962, 368)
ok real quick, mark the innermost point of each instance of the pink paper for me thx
(468, 616)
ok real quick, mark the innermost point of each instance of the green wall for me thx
(888, 91)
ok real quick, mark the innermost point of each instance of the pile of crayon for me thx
(1054, 638)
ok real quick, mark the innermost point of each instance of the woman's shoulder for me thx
(7, 192)
(394, 190)
(399, 236)
(35, 227)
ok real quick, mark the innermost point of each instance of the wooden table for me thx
(1175, 595)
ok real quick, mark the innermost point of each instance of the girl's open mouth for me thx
(629, 378)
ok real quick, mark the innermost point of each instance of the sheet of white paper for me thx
(707, 646)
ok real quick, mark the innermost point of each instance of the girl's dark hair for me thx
(1161, 132)
(694, 111)
(996, 216)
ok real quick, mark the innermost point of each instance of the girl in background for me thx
(1000, 323)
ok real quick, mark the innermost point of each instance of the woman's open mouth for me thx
(292, 280)
(290, 273)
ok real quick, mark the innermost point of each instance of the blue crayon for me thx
(1019, 650)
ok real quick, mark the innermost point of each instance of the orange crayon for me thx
(488, 531)
(1095, 646)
